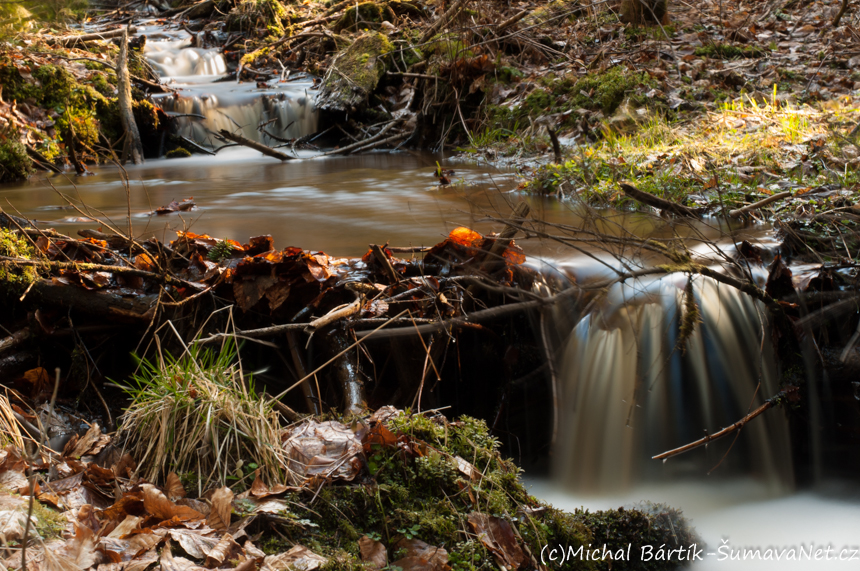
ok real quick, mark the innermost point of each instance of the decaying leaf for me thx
(421, 556)
(498, 536)
(322, 449)
(299, 557)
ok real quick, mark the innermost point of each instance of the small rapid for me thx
(204, 100)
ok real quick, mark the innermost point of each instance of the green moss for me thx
(250, 15)
(595, 91)
(178, 153)
(14, 246)
(15, 87)
(728, 51)
(15, 164)
(50, 523)
(355, 73)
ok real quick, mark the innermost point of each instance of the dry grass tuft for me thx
(197, 416)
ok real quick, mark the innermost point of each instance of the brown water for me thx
(336, 205)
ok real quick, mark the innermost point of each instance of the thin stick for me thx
(765, 201)
(769, 403)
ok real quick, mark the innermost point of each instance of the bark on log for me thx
(659, 203)
(70, 41)
(133, 145)
(139, 309)
(269, 151)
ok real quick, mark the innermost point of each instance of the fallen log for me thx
(659, 203)
(266, 150)
(95, 303)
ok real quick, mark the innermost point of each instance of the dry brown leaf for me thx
(90, 443)
(157, 504)
(193, 542)
(225, 549)
(171, 563)
(373, 552)
(12, 524)
(14, 480)
(138, 564)
(299, 557)
(173, 487)
(79, 550)
(260, 490)
(128, 525)
(222, 507)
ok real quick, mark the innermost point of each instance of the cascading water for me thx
(627, 391)
(206, 103)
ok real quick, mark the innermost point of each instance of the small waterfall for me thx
(209, 104)
(627, 392)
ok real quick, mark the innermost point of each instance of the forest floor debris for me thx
(415, 491)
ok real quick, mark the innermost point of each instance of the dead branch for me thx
(441, 21)
(383, 260)
(70, 41)
(335, 315)
(266, 150)
(659, 203)
(764, 202)
(841, 13)
(780, 398)
(86, 267)
(512, 20)
(350, 148)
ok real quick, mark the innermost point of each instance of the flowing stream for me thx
(626, 390)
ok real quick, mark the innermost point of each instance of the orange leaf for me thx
(465, 237)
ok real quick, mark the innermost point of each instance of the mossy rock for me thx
(15, 164)
(179, 153)
(363, 16)
(354, 73)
